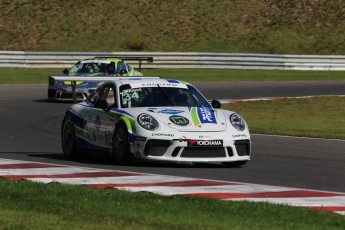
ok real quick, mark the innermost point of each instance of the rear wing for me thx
(129, 58)
(74, 79)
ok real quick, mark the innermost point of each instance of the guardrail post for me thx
(73, 84)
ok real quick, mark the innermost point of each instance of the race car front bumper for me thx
(178, 150)
(63, 95)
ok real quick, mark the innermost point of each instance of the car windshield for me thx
(90, 68)
(75, 68)
(161, 97)
(86, 68)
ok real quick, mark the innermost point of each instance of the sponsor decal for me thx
(205, 137)
(171, 111)
(239, 135)
(206, 115)
(162, 135)
(192, 143)
(179, 120)
(203, 115)
(160, 84)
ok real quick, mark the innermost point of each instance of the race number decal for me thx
(108, 138)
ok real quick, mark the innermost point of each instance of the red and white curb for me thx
(171, 185)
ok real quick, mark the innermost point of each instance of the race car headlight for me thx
(147, 122)
(237, 122)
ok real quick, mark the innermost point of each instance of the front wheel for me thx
(120, 146)
(68, 137)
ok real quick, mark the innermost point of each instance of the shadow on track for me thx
(46, 100)
(100, 161)
(90, 160)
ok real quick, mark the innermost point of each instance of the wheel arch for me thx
(130, 125)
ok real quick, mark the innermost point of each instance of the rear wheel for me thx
(234, 163)
(68, 137)
(120, 146)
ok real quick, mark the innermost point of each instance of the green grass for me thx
(241, 26)
(28, 205)
(313, 117)
(40, 76)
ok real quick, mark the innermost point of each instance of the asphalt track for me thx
(30, 130)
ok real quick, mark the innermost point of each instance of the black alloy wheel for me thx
(120, 146)
(68, 137)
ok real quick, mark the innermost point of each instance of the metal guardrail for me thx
(179, 60)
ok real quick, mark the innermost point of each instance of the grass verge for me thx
(40, 76)
(312, 117)
(28, 205)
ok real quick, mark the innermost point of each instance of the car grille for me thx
(156, 147)
(243, 147)
(159, 147)
(203, 152)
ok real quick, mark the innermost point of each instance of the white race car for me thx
(92, 67)
(151, 118)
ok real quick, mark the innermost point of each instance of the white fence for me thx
(172, 60)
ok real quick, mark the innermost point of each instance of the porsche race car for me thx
(150, 118)
(97, 66)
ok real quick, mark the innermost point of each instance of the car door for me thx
(100, 118)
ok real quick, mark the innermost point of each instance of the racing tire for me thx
(68, 137)
(234, 163)
(120, 145)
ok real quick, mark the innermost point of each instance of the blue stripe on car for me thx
(78, 121)
(121, 111)
(173, 81)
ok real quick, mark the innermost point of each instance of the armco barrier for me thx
(180, 60)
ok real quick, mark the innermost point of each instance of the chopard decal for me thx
(239, 135)
(162, 135)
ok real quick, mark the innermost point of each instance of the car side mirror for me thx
(216, 104)
(65, 71)
(102, 104)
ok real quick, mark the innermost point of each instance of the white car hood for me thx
(197, 119)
